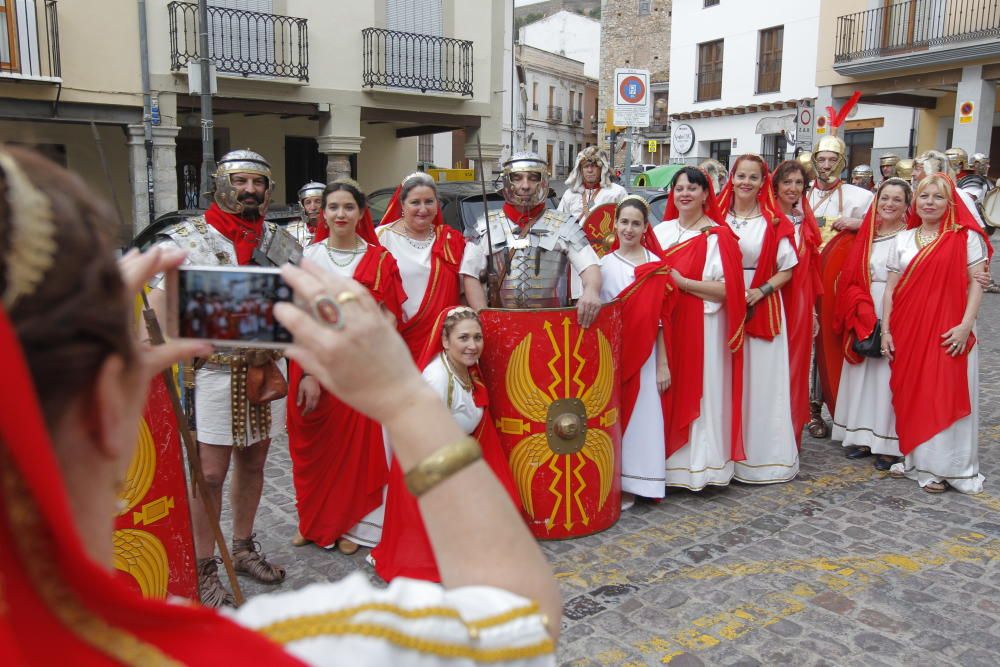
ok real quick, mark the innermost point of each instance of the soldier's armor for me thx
(300, 230)
(537, 275)
(205, 245)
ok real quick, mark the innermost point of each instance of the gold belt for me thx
(242, 412)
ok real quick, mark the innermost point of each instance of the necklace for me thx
(740, 221)
(892, 232)
(633, 262)
(922, 240)
(452, 379)
(419, 244)
(688, 228)
(351, 254)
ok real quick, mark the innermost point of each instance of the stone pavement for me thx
(842, 566)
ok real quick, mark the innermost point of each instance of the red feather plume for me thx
(837, 118)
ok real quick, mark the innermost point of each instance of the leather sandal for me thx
(859, 453)
(248, 560)
(299, 541)
(936, 487)
(210, 588)
(347, 547)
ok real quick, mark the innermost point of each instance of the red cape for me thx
(243, 234)
(405, 549)
(338, 455)
(59, 607)
(854, 317)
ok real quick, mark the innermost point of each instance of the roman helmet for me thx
(805, 158)
(832, 143)
(716, 172)
(957, 158)
(528, 162)
(311, 189)
(980, 163)
(243, 161)
(904, 169)
(863, 171)
(888, 160)
(595, 155)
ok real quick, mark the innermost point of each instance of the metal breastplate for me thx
(536, 278)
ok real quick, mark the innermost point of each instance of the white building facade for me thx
(567, 34)
(738, 71)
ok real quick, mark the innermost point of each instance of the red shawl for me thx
(365, 228)
(520, 218)
(799, 297)
(243, 234)
(855, 314)
(59, 607)
(405, 550)
(338, 454)
(930, 388)
(765, 317)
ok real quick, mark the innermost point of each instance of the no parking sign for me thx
(632, 101)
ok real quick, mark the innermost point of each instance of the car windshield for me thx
(378, 202)
(657, 208)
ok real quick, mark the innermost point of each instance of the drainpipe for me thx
(207, 123)
(147, 114)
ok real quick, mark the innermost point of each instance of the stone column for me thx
(338, 151)
(164, 173)
(973, 134)
(492, 148)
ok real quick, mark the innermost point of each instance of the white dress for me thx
(768, 435)
(863, 416)
(643, 449)
(953, 454)
(458, 399)
(368, 531)
(408, 624)
(414, 261)
(706, 460)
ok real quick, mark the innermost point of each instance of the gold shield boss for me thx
(555, 397)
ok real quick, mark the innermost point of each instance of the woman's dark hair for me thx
(782, 171)
(346, 186)
(416, 180)
(79, 314)
(693, 174)
(633, 202)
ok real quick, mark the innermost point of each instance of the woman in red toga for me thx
(339, 461)
(450, 361)
(428, 253)
(931, 303)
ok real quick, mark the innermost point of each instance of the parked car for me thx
(657, 177)
(657, 201)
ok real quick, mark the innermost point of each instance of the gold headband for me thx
(32, 235)
(638, 198)
(460, 309)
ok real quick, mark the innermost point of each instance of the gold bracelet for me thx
(441, 465)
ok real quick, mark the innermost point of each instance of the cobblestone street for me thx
(843, 566)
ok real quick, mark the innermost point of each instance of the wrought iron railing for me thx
(576, 117)
(29, 41)
(914, 25)
(252, 44)
(555, 114)
(422, 62)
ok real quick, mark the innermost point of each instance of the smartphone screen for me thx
(231, 306)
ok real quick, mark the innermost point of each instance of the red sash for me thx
(930, 389)
(686, 340)
(243, 234)
(855, 314)
(338, 455)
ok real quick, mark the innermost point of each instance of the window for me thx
(534, 146)
(534, 96)
(569, 113)
(769, 60)
(711, 3)
(643, 7)
(425, 151)
(8, 37)
(709, 71)
(562, 153)
(773, 148)
(720, 150)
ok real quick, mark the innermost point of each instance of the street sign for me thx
(632, 99)
(965, 112)
(682, 140)
(804, 125)
(652, 146)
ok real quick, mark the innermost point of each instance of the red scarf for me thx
(765, 318)
(244, 234)
(799, 297)
(522, 219)
(592, 186)
(854, 316)
(929, 299)
(59, 606)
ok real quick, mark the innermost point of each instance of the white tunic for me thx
(414, 260)
(953, 454)
(572, 199)
(458, 399)
(863, 416)
(844, 201)
(643, 451)
(706, 459)
(409, 624)
(768, 435)
(368, 531)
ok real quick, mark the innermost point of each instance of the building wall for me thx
(570, 35)
(385, 160)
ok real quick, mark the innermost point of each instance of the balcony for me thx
(426, 63)
(916, 33)
(576, 117)
(29, 41)
(250, 44)
(555, 114)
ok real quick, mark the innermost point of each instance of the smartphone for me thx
(228, 306)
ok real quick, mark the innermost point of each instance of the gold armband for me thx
(441, 465)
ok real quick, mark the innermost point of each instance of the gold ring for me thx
(326, 310)
(346, 296)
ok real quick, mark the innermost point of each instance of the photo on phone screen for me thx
(231, 306)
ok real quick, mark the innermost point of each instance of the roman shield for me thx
(599, 226)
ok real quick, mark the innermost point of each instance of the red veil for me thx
(854, 316)
(57, 605)
(338, 456)
(365, 229)
(685, 336)
(765, 320)
(930, 388)
(443, 285)
(405, 549)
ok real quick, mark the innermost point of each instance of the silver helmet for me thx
(863, 171)
(980, 163)
(243, 161)
(311, 189)
(525, 162)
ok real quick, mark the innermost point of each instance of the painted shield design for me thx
(555, 395)
(599, 226)
(153, 542)
(829, 345)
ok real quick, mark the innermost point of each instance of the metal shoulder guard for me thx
(565, 227)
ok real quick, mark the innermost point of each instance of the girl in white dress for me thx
(931, 301)
(643, 447)
(765, 239)
(863, 416)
